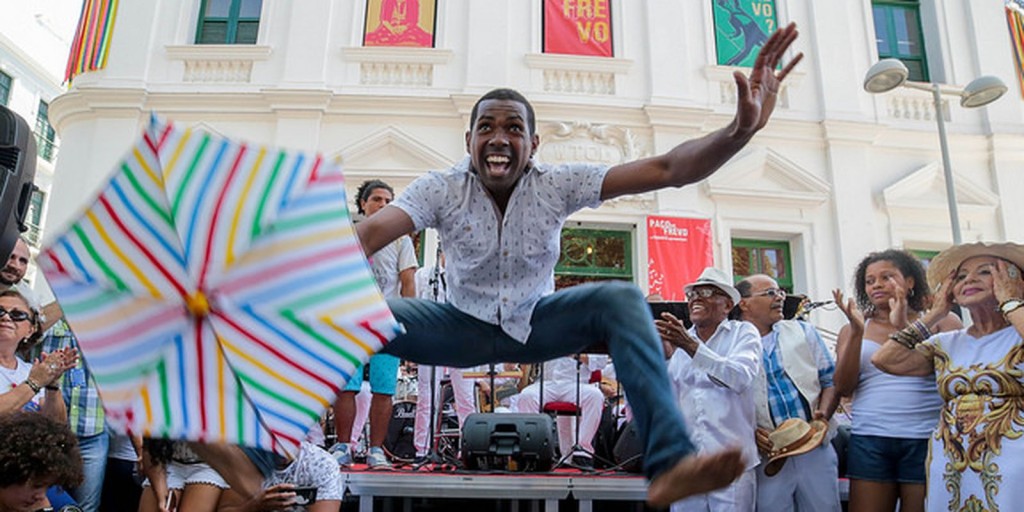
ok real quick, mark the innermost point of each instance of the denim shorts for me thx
(383, 375)
(887, 459)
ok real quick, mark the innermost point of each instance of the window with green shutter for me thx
(898, 35)
(762, 257)
(228, 21)
(5, 88)
(594, 255)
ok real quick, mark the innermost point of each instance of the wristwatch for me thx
(1011, 305)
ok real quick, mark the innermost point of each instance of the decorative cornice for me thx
(397, 54)
(743, 180)
(575, 74)
(227, 63)
(578, 63)
(397, 66)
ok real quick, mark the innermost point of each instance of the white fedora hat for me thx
(711, 276)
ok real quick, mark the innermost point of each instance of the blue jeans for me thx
(94, 467)
(565, 322)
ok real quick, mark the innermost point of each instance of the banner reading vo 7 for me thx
(741, 28)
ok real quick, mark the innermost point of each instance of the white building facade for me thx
(33, 51)
(836, 174)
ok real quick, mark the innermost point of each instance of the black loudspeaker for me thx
(629, 450)
(791, 306)
(17, 171)
(508, 442)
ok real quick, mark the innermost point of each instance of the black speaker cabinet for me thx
(629, 450)
(17, 171)
(508, 442)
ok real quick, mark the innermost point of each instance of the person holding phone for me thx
(311, 482)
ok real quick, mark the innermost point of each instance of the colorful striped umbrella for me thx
(218, 290)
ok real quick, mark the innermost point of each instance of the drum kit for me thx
(447, 435)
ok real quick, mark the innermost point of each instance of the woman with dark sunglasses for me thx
(893, 416)
(31, 387)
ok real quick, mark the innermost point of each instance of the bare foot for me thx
(695, 474)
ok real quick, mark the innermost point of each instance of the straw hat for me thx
(793, 437)
(711, 276)
(949, 260)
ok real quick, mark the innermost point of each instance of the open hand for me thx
(49, 367)
(756, 95)
(849, 308)
(898, 308)
(1008, 282)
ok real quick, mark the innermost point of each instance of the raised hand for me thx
(942, 300)
(756, 95)
(1008, 282)
(673, 332)
(49, 367)
(898, 308)
(849, 308)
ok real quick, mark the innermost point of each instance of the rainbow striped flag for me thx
(92, 38)
(1015, 22)
(218, 290)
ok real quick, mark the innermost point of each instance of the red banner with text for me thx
(578, 27)
(678, 250)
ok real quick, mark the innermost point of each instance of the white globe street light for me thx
(888, 74)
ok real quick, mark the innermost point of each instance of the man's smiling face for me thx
(500, 143)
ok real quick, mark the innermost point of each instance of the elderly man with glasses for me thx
(796, 383)
(713, 366)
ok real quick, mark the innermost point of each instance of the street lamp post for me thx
(888, 74)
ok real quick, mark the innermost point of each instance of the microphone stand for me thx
(433, 456)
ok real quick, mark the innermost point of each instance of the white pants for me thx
(591, 402)
(741, 496)
(806, 483)
(465, 403)
(362, 412)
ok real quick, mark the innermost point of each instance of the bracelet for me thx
(35, 387)
(922, 329)
(908, 337)
(52, 387)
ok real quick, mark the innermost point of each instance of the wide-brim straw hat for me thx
(793, 437)
(949, 260)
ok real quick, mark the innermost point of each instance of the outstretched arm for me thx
(696, 159)
(382, 228)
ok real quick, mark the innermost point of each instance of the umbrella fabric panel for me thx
(218, 289)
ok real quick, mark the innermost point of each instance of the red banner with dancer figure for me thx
(400, 23)
(578, 27)
(678, 250)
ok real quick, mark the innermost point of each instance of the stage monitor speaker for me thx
(629, 450)
(17, 171)
(508, 442)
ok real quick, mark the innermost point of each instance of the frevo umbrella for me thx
(218, 290)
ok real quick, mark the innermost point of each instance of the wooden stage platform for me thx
(407, 490)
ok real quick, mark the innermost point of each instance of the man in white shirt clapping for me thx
(712, 367)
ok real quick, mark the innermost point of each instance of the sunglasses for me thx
(771, 293)
(704, 293)
(16, 315)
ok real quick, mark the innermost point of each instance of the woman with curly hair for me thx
(892, 415)
(36, 453)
